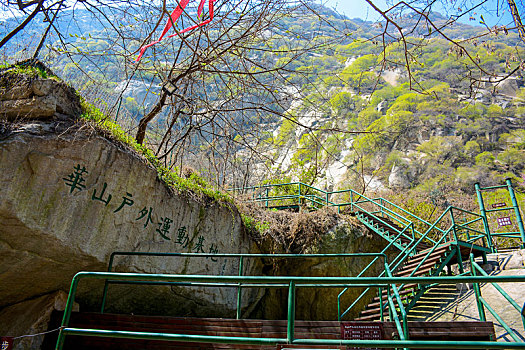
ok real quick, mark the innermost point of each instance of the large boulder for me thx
(34, 95)
(70, 196)
(398, 179)
(28, 321)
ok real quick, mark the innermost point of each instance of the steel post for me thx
(239, 289)
(517, 211)
(484, 216)
(477, 291)
(291, 312)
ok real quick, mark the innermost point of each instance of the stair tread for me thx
(416, 259)
(427, 265)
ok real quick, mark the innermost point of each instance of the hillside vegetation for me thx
(349, 116)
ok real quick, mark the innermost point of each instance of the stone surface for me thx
(30, 108)
(33, 97)
(51, 229)
(30, 318)
(321, 303)
(464, 308)
(397, 178)
(512, 260)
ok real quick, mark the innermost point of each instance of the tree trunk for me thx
(143, 123)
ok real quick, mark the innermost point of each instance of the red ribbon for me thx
(174, 17)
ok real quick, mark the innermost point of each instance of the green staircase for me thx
(424, 249)
(419, 256)
(433, 301)
(398, 301)
(433, 265)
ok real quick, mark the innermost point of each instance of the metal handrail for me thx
(241, 257)
(500, 290)
(341, 315)
(380, 204)
(406, 252)
(292, 283)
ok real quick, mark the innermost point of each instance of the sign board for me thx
(499, 205)
(309, 347)
(6, 343)
(362, 331)
(504, 221)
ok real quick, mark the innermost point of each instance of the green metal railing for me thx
(448, 236)
(520, 234)
(292, 284)
(453, 225)
(241, 258)
(297, 194)
(475, 269)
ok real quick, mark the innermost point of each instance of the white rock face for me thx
(397, 179)
(69, 199)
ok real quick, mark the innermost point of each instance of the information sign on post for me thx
(499, 205)
(362, 331)
(504, 221)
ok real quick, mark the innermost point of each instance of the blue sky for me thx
(355, 8)
(360, 9)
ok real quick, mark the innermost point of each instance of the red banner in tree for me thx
(173, 19)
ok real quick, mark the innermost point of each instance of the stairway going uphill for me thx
(420, 264)
(420, 256)
(389, 230)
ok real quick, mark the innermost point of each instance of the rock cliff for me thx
(70, 195)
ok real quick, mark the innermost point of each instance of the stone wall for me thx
(347, 236)
(69, 198)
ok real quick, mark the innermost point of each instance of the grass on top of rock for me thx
(192, 183)
(33, 70)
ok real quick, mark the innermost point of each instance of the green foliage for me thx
(515, 138)
(472, 148)
(29, 70)
(253, 225)
(485, 159)
(512, 158)
(341, 101)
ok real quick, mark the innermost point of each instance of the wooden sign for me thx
(6, 343)
(499, 205)
(362, 331)
(504, 221)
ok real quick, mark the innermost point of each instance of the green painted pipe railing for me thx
(515, 207)
(297, 191)
(292, 283)
(341, 315)
(301, 193)
(400, 259)
(241, 257)
(476, 267)
(468, 230)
